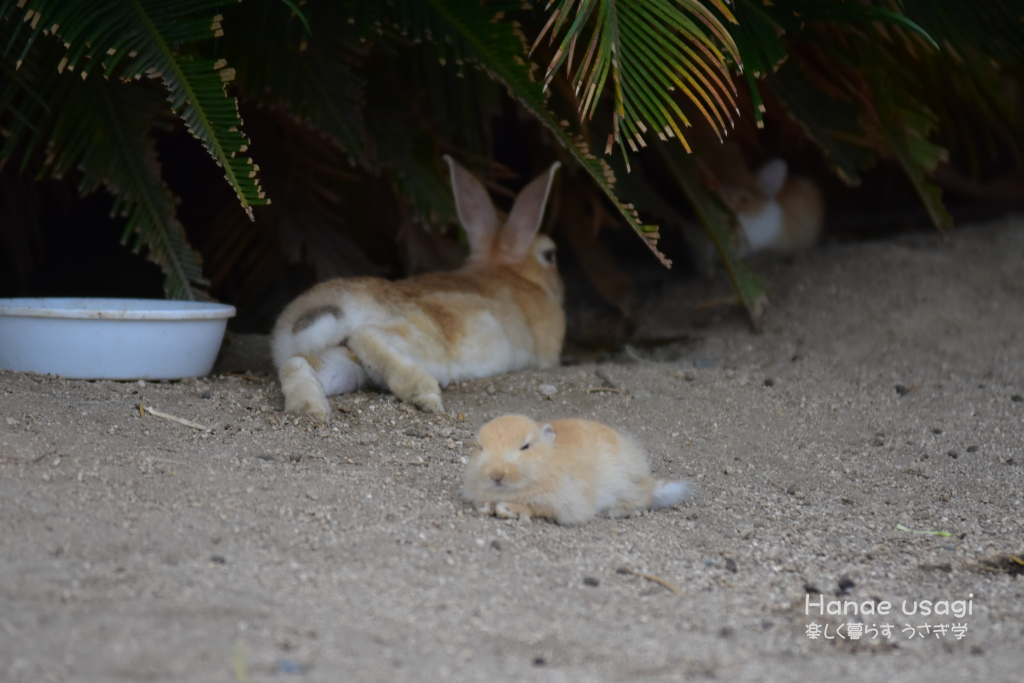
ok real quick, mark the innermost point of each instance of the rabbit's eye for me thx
(524, 447)
(548, 255)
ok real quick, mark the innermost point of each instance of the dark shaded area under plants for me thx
(344, 127)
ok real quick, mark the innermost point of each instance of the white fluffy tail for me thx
(669, 493)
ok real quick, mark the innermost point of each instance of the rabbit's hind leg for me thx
(377, 349)
(303, 393)
(308, 379)
(633, 494)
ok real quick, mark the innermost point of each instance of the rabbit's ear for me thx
(525, 218)
(772, 176)
(476, 212)
(547, 433)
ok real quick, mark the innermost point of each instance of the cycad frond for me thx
(129, 39)
(103, 131)
(907, 124)
(471, 32)
(310, 75)
(649, 49)
(993, 30)
(717, 222)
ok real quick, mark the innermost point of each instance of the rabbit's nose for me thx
(497, 475)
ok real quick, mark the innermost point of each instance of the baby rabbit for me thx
(567, 470)
(502, 311)
(781, 213)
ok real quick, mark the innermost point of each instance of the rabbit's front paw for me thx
(505, 510)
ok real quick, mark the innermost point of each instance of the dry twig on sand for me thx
(650, 577)
(172, 418)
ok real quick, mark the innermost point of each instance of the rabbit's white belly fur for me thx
(490, 349)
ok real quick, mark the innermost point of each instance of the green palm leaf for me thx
(830, 123)
(103, 131)
(129, 39)
(468, 31)
(758, 39)
(906, 124)
(650, 49)
(992, 29)
(311, 75)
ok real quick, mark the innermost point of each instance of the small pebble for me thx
(944, 497)
(792, 489)
(877, 442)
(496, 544)
(286, 666)
(727, 632)
(265, 456)
(415, 433)
(491, 390)
(207, 394)
(295, 457)
(642, 393)
(953, 454)
(902, 390)
(547, 390)
(846, 583)
(730, 564)
(769, 382)
(1017, 398)
(689, 376)
(703, 363)
(606, 380)
(972, 449)
(590, 581)
(217, 559)
(539, 661)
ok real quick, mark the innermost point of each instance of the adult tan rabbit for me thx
(567, 470)
(501, 311)
(781, 212)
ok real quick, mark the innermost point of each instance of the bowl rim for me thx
(100, 308)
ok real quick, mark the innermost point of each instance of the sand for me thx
(882, 404)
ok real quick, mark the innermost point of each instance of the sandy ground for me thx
(886, 391)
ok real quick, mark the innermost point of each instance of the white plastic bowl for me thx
(111, 338)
